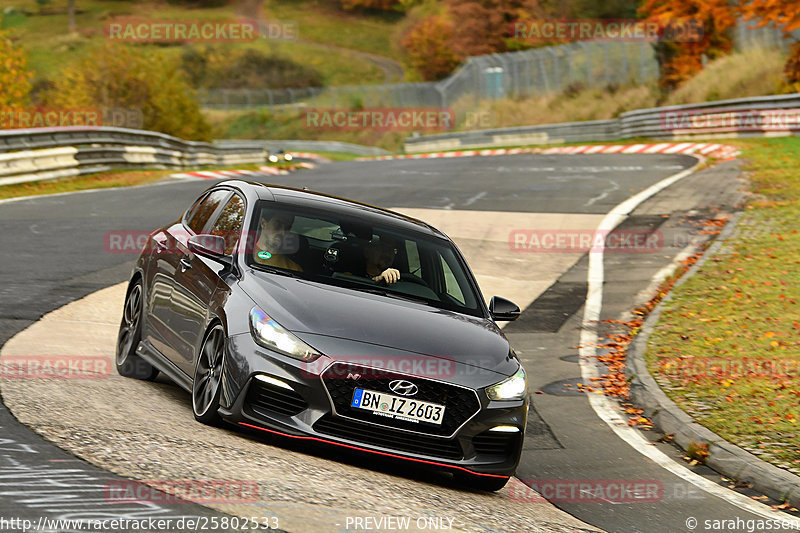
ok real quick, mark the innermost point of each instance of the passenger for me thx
(275, 241)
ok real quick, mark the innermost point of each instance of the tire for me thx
(207, 383)
(484, 483)
(129, 364)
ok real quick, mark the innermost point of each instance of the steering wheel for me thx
(413, 279)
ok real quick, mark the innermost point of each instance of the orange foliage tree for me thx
(680, 59)
(785, 14)
(428, 47)
(486, 26)
(15, 85)
(437, 43)
(380, 5)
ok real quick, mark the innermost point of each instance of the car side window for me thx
(229, 223)
(412, 253)
(198, 218)
(451, 284)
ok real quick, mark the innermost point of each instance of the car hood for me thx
(315, 311)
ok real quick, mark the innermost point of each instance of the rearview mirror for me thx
(212, 246)
(503, 310)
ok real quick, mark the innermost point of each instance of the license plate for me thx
(397, 407)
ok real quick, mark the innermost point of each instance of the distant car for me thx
(256, 302)
(280, 155)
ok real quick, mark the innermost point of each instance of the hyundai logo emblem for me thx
(403, 387)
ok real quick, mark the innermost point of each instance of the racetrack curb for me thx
(720, 151)
(724, 457)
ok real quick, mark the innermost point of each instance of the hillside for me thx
(344, 47)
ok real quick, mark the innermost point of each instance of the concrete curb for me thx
(724, 457)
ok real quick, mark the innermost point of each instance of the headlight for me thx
(288, 157)
(513, 388)
(270, 334)
(273, 158)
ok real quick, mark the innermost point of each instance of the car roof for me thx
(341, 206)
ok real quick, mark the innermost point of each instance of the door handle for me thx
(185, 264)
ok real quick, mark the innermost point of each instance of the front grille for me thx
(496, 443)
(268, 399)
(392, 439)
(460, 403)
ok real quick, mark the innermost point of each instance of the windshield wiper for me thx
(396, 295)
(275, 270)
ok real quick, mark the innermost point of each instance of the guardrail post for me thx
(587, 53)
(570, 66)
(554, 58)
(543, 72)
(624, 76)
(642, 62)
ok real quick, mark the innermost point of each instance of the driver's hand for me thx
(390, 275)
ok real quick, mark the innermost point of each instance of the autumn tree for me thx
(15, 86)
(116, 76)
(464, 28)
(681, 58)
(784, 14)
(485, 26)
(379, 5)
(428, 47)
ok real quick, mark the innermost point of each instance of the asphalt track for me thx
(54, 252)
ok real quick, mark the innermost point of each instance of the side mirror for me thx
(503, 310)
(212, 246)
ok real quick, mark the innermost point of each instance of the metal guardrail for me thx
(52, 153)
(756, 116)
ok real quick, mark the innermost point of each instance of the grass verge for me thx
(326, 35)
(727, 346)
(104, 180)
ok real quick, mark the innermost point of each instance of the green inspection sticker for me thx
(264, 255)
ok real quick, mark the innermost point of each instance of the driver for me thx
(379, 254)
(274, 239)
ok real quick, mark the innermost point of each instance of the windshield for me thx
(325, 247)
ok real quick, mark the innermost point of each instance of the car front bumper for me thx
(270, 392)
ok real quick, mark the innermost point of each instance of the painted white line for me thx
(605, 408)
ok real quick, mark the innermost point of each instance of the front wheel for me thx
(128, 363)
(484, 483)
(207, 383)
